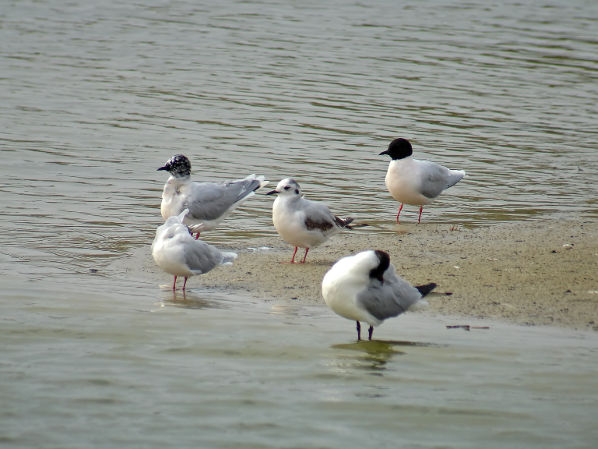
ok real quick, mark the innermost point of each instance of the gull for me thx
(415, 182)
(365, 287)
(301, 222)
(176, 251)
(208, 202)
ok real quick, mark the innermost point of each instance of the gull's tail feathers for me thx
(454, 177)
(426, 288)
(343, 222)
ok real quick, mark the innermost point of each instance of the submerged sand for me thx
(534, 273)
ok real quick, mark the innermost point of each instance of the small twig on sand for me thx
(467, 327)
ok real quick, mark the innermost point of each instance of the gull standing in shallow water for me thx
(208, 202)
(176, 251)
(415, 182)
(301, 222)
(365, 287)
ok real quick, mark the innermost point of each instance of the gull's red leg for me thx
(400, 209)
(293, 258)
(305, 255)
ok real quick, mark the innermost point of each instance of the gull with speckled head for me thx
(208, 202)
(365, 287)
(176, 251)
(301, 222)
(416, 182)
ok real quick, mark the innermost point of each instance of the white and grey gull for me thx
(416, 182)
(301, 222)
(365, 287)
(208, 202)
(176, 251)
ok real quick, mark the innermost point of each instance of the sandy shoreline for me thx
(533, 273)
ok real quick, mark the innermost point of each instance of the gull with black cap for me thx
(208, 202)
(416, 182)
(365, 287)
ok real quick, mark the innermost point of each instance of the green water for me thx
(144, 368)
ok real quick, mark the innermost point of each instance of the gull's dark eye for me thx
(287, 187)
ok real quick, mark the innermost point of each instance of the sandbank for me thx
(532, 273)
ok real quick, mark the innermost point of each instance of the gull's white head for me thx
(288, 187)
(370, 263)
(177, 219)
(173, 225)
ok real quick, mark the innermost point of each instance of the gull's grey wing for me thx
(388, 299)
(209, 201)
(434, 179)
(201, 257)
(318, 216)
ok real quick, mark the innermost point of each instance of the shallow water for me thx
(96, 96)
(148, 369)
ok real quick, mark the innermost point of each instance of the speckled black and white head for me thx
(287, 187)
(399, 149)
(178, 166)
(383, 263)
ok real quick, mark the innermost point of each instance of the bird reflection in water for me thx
(190, 300)
(372, 356)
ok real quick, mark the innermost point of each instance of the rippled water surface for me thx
(150, 370)
(97, 95)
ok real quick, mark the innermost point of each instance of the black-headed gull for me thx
(301, 222)
(208, 202)
(415, 182)
(176, 251)
(365, 287)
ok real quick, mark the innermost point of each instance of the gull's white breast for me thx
(173, 197)
(403, 181)
(290, 224)
(340, 287)
(168, 253)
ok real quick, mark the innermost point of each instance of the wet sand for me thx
(534, 273)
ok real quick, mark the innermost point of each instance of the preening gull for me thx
(365, 287)
(176, 251)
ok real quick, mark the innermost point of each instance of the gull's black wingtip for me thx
(425, 289)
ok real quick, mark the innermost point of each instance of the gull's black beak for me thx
(163, 168)
(384, 152)
(272, 192)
